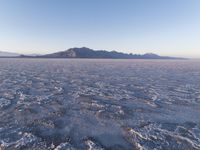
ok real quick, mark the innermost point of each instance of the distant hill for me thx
(8, 54)
(85, 52)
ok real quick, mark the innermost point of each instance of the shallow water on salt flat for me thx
(99, 104)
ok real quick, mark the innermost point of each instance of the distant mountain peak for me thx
(85, 52)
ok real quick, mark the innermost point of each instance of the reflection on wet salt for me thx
(99, 104)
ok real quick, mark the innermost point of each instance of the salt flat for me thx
(99, 104)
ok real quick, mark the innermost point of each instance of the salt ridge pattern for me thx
(99, 104)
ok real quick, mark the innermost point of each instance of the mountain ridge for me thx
(8, 54)
(85, 52)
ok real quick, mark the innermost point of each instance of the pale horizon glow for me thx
(169, 28)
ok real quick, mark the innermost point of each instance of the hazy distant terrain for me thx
(99, 104)
(85, 52)
(8, 54)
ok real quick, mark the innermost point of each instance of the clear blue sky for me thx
(166, 27)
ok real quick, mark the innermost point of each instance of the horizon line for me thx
(22, 53)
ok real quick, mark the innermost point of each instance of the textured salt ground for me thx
(99, 104)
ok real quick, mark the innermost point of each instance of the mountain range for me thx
(85, 52)
(8, 54)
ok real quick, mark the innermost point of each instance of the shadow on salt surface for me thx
(74, 123)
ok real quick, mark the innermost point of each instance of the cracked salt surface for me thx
(57, 104)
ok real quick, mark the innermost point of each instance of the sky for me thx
(165, 27)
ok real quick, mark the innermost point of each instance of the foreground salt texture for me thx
(99, 104)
